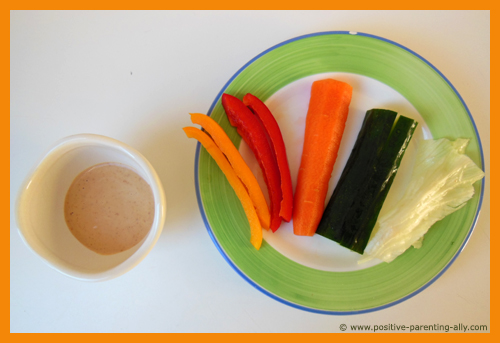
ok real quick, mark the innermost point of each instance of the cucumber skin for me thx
(381, 182)
(374, 132)
(352, 227)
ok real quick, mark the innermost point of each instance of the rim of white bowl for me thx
(158, 194)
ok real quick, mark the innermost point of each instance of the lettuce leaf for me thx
(441, 183)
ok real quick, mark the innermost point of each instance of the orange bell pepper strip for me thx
(238, 163)
(234, 181)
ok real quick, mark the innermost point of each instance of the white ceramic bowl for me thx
(40, 207)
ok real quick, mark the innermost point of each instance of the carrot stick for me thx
(238, 163)
(325, 123)
(234, 181)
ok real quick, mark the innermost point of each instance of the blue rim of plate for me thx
(284, 301)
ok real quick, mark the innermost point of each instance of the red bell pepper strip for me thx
(274, 133)
(253, 133)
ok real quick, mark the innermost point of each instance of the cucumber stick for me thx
(373, 134)
(353, 209)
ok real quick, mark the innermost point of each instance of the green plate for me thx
(340, 292)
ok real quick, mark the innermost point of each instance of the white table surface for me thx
(135, 76)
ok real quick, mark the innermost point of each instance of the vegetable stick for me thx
(240, 167)
(325, 123)
(234, 181)
(253, 133)
(352, 211)
(274, 133)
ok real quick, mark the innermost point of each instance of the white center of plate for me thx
(289, 106)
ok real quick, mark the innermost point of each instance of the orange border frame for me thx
(237, 5)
